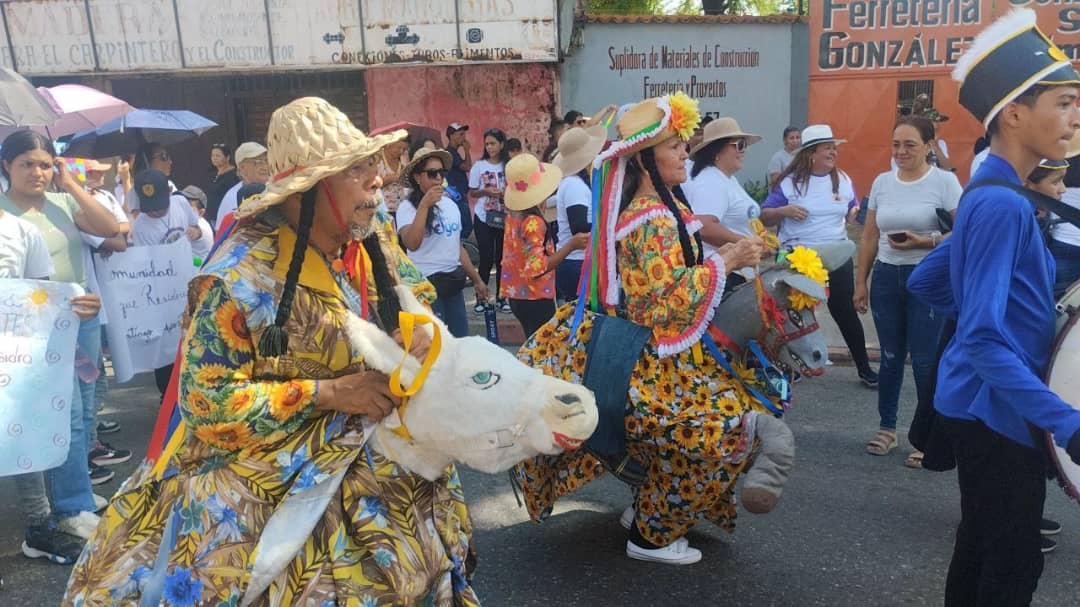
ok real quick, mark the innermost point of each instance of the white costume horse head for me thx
(479, 406)
(801, 347)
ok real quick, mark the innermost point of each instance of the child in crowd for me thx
(197, 198)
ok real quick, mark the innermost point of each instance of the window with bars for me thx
(909, 90)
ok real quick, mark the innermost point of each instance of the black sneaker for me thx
(504, 306)
(104, 454)
(107, 427)
(478, 308)
(46, 541)
(1049, 527)
(100, 474)
(1048, 545)
(869, 378)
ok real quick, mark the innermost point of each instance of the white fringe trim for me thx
(638, 221)
(1016, 21)
(666, 350)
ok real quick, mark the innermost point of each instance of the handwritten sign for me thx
(144, 291)
(38, 332)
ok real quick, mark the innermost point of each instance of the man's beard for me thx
(359, 232)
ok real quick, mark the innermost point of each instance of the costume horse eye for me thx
(485, 379)
(796, 317)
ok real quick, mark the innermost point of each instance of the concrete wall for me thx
(518, 99)
(762, 83)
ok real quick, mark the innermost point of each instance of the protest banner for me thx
(144, 292)
(38, 332)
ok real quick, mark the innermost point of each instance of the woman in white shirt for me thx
(814, 202)
(429, 224)
(716, 196)
(487, 181)
(577, 149)
(901, 229)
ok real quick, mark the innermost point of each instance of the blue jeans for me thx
(567, 275)
(451, 309)
(69, 485)
(904, 324)
(1067, 257)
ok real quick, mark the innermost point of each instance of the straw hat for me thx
(653, 121)
(816, 134)
(421, 156)
(578, 147)
(529, 182)
(724, 128)
(310, 140)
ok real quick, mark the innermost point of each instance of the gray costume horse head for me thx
(799, 345)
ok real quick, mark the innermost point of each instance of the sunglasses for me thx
(740, 144)
(434, 173)
(581, 121)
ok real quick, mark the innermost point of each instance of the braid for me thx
(648, 160)
(389, 306)
(275, 341)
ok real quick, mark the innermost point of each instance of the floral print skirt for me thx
(682, 425)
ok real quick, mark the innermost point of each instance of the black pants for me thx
(996, 560)
(532, 313)
(490, 242)
(161, 378)
(842, 309)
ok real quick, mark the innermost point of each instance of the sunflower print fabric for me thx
(526, 250)
(253, 440)
(682, 415)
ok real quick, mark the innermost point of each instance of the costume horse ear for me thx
(379, 351)
(835, 254)
(409, 303)
(803, 283)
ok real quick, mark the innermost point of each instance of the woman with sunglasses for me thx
(429, 224)
(814, 202)
(150, 156)
(487, 181)
(718, 199)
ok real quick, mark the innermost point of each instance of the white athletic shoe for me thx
(627, 518)
(82, 525)
(100, 503)
(678, 552)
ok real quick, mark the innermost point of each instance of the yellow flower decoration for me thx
(685, 115)
(797, 300)
(808, 263)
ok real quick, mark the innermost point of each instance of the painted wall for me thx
(741, 69)
(518, 99)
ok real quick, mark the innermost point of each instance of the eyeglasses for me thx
(434, 173)
(162, 156)
(740, 145)
(581, 122)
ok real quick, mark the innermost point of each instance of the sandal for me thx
(882, 443)
(914, 460)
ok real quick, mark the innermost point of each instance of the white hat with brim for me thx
(723, 128)
(423, 155)
(817, 134)
(529, 182)
(578, 148)
(309, 140)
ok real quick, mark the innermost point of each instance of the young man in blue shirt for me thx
(990, 393)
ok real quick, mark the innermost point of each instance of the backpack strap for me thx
(1062, 210)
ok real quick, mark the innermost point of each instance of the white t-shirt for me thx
(911, 206)
(723, 197)
(91, 242)
(23, 253)
(229, 204)
(440, 250)
(149, 230)
(977, 161)
(1066, 232)
(486, 175)
(780, 161)
(202, 246)
(573, 191)
(827, 211)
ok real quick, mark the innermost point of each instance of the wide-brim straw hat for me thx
(578, 148)
(529, 182)
(309, 140)
(423, 155)
(817, 134)
(653, 121)
(724, 128)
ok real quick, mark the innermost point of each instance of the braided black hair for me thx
(274, 340)
(389, 306)
(648, 161)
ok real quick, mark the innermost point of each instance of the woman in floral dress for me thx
(683, 421)
(267, 493)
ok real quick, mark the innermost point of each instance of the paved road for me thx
(851, 530)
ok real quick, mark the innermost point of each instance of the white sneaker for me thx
(627, 518)
(82, 525)
(100, 503)
(678, 552)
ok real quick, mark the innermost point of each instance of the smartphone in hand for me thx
(898, 236)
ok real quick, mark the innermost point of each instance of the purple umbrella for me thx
(81, 108)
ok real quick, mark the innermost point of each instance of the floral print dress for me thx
(526, 250)
(683, 411)
(254, 440)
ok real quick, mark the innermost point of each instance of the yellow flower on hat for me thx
(685, 115)
(808, 263)
(797, 300)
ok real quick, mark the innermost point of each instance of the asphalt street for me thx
(851, 529)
